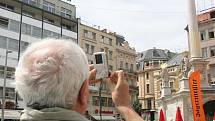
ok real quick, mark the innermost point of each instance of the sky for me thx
(144, 23)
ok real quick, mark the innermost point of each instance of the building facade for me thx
(148, 64)
(126, 61)
(25, 21)
(207, 36)
(174, 67)
(93, 40)
(204, 64)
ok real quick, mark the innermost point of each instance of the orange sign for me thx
(196, 98)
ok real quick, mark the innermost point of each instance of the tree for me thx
(137, 106)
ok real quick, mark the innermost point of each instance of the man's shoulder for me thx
(51, 114)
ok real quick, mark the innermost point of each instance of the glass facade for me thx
(13, 44)
(66, 13)
(49, 6)
(30, 30)
(14, 26)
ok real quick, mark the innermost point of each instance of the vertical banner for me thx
(196, 98)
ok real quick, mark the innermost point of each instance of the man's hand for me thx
(92, 75)
(119, 89)
(120, 94)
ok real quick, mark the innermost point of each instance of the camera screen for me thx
(98, 58)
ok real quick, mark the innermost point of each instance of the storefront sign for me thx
(196, 99)
(104, 112)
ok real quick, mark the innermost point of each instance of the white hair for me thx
(51, 73)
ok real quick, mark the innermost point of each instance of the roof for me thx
(176, 60)
(155, 54)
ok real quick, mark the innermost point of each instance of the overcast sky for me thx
(144, 23)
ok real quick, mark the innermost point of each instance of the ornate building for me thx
(194, 62)
(148, 64)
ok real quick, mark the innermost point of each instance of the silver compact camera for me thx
(100, 64)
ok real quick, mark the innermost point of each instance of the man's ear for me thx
(81, 103)
(83, 93)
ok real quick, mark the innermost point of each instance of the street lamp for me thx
(4, 85)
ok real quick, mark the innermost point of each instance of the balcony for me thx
(49, 10)
(129, 71)
(134, 88)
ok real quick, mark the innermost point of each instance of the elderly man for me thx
(53, 78)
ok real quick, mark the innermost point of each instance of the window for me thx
(110, 41)
(56, 35)
(147, 88)
(36, 31)
(110, 55)
(126, 66)
(94, 35)
(161, 85)
(147, 75)
(87, 48)
(104, 101)
(48, 6)
(32, 2)
(138, 66)
(4, 22)
(13, 44)
(95, 100)
(212, 50)
(149, 104)
(110, 102)
(210, 34)
(90, 35)
(47, 33)
(132, 68)
(204, 53)
(26, 29)
(14, 25)
(171, 85)
(106, 40)
(92, 49)
(85, 33)
(202, 35)
(155, 53)
(66, 13)
(3, 42)
(102, 39)
(121, 65)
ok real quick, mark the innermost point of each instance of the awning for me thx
(107, 118)
(11, 114)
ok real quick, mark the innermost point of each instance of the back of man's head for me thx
(50, 73)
